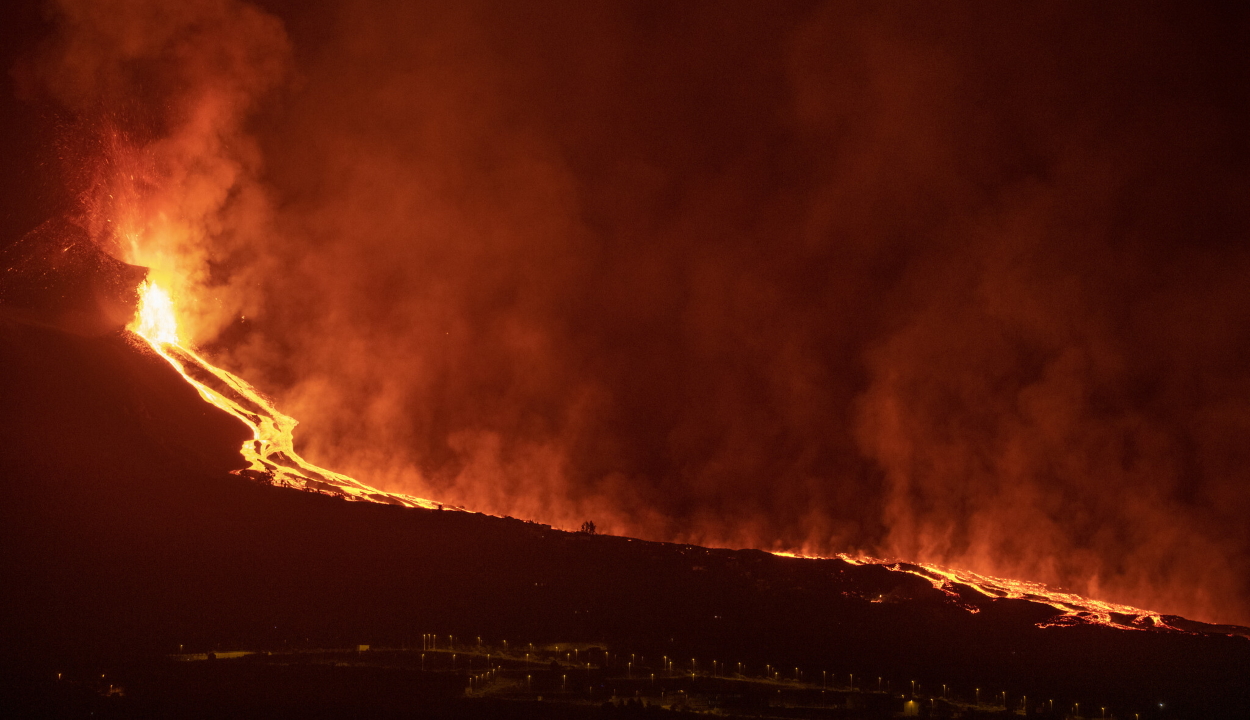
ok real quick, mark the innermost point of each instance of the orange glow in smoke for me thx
(270, 453)
(482, 296)
(272, 458)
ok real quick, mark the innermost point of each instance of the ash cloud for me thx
(963, 284)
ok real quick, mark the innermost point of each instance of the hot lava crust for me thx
(127, 540)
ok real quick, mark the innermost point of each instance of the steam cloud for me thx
(957, 283)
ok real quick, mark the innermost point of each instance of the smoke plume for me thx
(153, 97)
(959, 283)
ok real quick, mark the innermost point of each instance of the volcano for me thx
(133, 547)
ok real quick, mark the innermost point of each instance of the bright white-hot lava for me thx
(155, 320)
(270, 453)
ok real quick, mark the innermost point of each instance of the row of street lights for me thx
(431, 642)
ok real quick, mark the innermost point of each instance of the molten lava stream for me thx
(271, 452)
(271, 456)
(1075, 609)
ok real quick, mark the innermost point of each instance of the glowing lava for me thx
(271, 452)
(272, 458)
(1074, 609)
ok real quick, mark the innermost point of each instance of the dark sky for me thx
(959, 282)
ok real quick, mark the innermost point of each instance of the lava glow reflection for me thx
(270, 454)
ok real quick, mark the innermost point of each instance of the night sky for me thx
(959, 282)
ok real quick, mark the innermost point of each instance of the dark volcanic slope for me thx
(124, 536)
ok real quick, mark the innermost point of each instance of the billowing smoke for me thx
(152, 98)
(955, 283)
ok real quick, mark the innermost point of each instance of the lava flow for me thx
(1074, 609)
(272, 458)
(271, 451)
